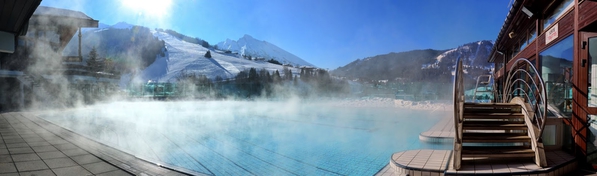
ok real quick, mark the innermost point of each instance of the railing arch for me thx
(535, 93)
(458, 92)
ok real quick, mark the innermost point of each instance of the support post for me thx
(80, 56)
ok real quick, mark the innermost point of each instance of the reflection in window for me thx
(591, 142)
(557, 12)
(592, 73)
(556, 71)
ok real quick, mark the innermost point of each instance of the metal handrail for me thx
(458, 112)
(477, 85)
(535, 93)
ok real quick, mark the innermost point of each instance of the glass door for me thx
(588, 61)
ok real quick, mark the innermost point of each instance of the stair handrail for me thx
(458, 112)
(534, 94)
(477, 85)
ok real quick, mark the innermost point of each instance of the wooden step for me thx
(491, 105)
(480, 110)
(498, 152)
(493, 125)
(497, 114)
(495, 137)
(494, 119)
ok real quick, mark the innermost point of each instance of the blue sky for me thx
(326, 33)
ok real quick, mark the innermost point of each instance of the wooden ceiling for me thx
(15, 14)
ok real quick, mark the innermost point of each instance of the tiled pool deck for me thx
(438, 162)
(442, 132)
(32, 146)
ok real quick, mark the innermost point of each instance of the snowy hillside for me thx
(420, 65)
(180, 56)
(185, 57)
(250, 46)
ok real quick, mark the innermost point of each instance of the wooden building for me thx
(559, 37)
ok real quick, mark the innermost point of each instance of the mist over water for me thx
(292, 137)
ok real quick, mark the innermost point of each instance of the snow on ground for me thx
(250, 46)
(390, 102)
(185, 57)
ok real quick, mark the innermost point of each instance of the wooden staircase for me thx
(493, 131)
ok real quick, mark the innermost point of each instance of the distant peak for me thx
(247, 36)
(122, 25)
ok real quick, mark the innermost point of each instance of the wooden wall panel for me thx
(565, 28)
(528, 52)
(587, 13)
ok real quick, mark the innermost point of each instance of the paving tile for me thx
(46, 172)
(57, 141)
(59, 162)
(86, 159)
(99, 167)
(114, 173)
(73, 170)
(31, 165)
(5, 159)
(48, 155)
(7, 168)
(10, 174)
(46, 148)
(12, 141)
(75, 152)
(21, 150)
(17, 145)
(25, 157)
(40, 143)
(35, 139)
(3, 151)
(66, 146)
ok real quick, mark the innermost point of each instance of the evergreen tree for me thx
(93, 62)
(208, 54)
(276, 77)
(253, 75)
(204, 43)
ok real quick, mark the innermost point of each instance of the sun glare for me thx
(153, 8)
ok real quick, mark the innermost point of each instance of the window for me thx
(556, 71)
(557, 13)
(515, 50)
(530, 35)
(592, 97)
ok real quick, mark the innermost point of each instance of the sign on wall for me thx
(551, 34)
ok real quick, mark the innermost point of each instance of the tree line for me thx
(262, 83)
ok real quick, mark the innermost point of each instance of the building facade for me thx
(560, 38)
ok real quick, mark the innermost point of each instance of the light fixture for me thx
(511, 34)
(527, 11)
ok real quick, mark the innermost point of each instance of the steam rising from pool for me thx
(292, 137)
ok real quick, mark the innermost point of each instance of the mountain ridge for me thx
(420, 65)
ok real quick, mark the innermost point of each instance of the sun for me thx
(152, 8)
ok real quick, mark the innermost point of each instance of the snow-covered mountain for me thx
(249, 46)
(185, 57)
(420, 65)
(180, 57)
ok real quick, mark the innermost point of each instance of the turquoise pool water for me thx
(255, 137)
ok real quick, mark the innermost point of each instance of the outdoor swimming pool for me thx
(255, 137)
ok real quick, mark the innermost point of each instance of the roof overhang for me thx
(14, 17)
(509, 18)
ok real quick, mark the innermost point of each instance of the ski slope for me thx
(250, 46)
(188, 58)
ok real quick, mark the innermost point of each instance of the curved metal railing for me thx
(458, 112)
(517, 85)
(485, 85)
